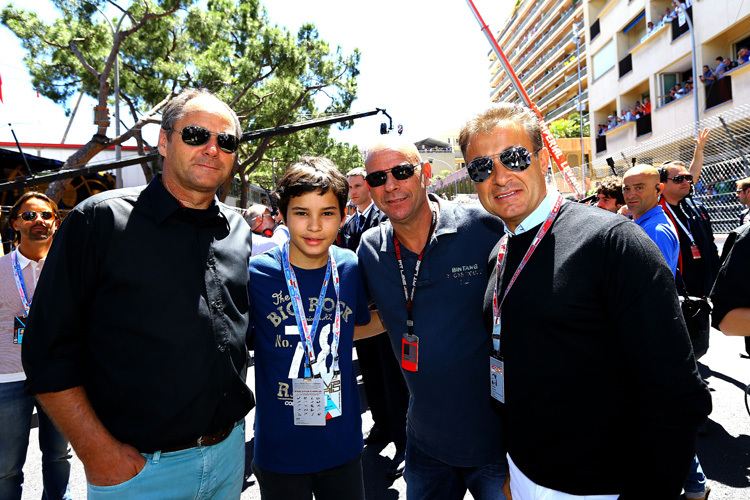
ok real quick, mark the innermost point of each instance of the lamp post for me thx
(683, 8)
(452, 169)
(577, 38)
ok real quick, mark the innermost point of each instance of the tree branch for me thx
(73, 47)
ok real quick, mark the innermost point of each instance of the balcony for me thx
(564, 86)
(559, 45)
(719, 92)
(643, 125)
(594, 30)
(519, 29)
(601, 144)
(626, 65)
(566, 108)
(677, 30)
(541, 24)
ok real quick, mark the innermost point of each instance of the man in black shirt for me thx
(593, 367)
(699, 258)
(731, 292)
(137, 350)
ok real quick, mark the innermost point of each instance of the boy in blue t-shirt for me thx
(308, 430)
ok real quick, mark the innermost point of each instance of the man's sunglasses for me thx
(31, 215)
(399, 172)
(679, 179)
(198, 136)
(516, 159)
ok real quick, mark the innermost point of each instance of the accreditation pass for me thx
(309, 400)
(497, 378)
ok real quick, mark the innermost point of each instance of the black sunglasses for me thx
(399, 172)
(197, 136)
(679, 179)
(31, 215)
(516, 159)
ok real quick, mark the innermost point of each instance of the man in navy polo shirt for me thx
(435, 328)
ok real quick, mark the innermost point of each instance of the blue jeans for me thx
(696, 480)
(429, 478)
(16, 410)
(203, 472)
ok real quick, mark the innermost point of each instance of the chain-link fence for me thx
(726, 159)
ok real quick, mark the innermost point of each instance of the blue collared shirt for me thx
(537, 216)
(660, 230)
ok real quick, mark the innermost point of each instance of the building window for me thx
(604, 60)
(635, 30)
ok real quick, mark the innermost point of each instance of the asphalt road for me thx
(724, 451)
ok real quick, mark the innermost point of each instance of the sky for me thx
(425, 62)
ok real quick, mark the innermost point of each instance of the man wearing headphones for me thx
(743, 195)
(641, 188)
(267, 233)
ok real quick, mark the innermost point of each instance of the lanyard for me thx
(409, 296)
(18, 274)
(679, 222)
(307, 332)
(497, 307)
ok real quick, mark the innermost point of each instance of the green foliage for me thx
(268, 75)
(569, 127)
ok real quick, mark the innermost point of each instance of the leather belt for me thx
(205, 440)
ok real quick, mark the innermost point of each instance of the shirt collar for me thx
(649, 213)
(536, 217)
(164, 204)
(446, 223)
(23, 261)
(366, 211)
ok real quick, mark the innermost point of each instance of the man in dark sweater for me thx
(600, 384)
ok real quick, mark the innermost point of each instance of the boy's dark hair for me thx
(611, 187)
(312, 173)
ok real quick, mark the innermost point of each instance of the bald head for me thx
(397, 144)
(649, 172)
(641, 188)
(401, 193)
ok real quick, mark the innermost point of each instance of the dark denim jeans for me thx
(15, 424)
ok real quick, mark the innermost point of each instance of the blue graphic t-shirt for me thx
(280, 446)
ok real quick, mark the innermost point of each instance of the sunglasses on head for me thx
(193, 135)
(516, 159)
(31, 215)
(679, 179)
(399, 172)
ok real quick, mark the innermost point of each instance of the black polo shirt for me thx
(144, 303)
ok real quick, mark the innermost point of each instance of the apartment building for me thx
(634, 54)
(543, 41)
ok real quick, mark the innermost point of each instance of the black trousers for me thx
(337, 483)
(387, 395)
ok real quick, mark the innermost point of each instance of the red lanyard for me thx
(409, 297)
(497, 307)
